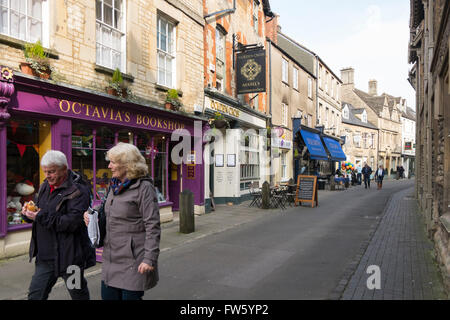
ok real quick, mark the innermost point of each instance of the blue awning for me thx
(335, 149)
(314, 145)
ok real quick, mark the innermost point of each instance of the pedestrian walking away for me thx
(379, 175)
(59, 238)
(366, 172)
(133, 231)
(359, 174)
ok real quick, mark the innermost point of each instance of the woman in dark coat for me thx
(379, 175)
(133, 231)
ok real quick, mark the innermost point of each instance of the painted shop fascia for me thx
(38, 115)
(229, 179)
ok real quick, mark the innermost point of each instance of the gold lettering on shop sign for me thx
(127, 117)
(96, 112)
(61, 105)
(73, 108)
(215, 105)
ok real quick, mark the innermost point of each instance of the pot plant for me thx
(219, 121)
(172, 100)
(37, 61)
(116, 86)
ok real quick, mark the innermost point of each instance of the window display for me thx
(23, 170)
(95, 169)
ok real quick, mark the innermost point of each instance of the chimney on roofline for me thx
(373, 87)
(348, 77)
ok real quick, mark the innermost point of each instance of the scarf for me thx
(118, 187)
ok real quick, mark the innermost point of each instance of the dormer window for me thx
(345, 112)
(364, 116)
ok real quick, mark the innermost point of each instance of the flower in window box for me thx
(37, 61)
(116, 86)
(172, 100)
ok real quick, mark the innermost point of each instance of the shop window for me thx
(110, 44)
(249, 157)
(284, 176)
(160, 167)
(90, 160)
(25, 140)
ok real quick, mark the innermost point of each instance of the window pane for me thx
(82, 136)
(35, 28)
(126, 136)
(14, 24)
(102, 174)
(109, 2)
(117, 4)
(98, 10)
(170, 39)
(35, 9)
(105, 138)
(117, 19)
(106, 56)
(4, 18)
(161, 69)
(116, 60)
(160, 176)
(116, 40)
(168, 71)
(106, 37)
(107, 15)
(22, 165)
(163, 42)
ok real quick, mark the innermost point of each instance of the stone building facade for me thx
(384, 112)
(292, 95)
(408, 119)
(361, 136)
(429, 54)
(157, 45)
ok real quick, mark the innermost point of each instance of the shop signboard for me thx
(306, 190)
(251, 71)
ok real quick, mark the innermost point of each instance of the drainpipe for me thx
(317, 88)
(222, 11)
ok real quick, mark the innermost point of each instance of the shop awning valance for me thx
(335, 149)
(314, 145)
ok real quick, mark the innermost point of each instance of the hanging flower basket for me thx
(219, 124)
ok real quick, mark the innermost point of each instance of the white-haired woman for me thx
(131, 245)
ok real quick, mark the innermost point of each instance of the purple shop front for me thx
(36, 116)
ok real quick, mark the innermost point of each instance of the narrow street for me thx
(299, 253)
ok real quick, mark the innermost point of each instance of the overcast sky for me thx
(370, 36)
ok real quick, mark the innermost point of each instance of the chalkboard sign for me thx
(306, 190)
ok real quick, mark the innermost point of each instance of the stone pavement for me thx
(16, 273)
(405, 256)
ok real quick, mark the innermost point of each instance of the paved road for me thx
(299, 253)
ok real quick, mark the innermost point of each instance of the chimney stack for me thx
(348, 77)
(373, 87)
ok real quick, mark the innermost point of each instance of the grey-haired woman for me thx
(133, 231)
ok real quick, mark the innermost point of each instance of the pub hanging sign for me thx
(251, 71)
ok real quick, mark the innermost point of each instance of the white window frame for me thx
(309, 120)
(346, 113)
(284, 114)
(284, 176)
(310, 94)
(220, 59)
(122, 32)
(167, 53)
(326, 82)
(284, 70)
(44, 20)
(295, 78)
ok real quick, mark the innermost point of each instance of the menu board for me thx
(306, 190)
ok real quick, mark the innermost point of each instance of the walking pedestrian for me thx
(131, 245)
(359, 174)
(59, 238)
(366, 172)
(379, 175)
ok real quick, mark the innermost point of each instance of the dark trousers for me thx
(111, 293)
(359, 178)
(44, 279)
(366, 181)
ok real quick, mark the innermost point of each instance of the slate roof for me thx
(299, 53)
(409, 114)
(376, 103)
(353, 120)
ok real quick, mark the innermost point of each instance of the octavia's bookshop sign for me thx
(251, 71)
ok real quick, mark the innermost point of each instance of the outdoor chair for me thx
(256, 194)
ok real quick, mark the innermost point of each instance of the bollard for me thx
(187, 212)
(266, 195)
